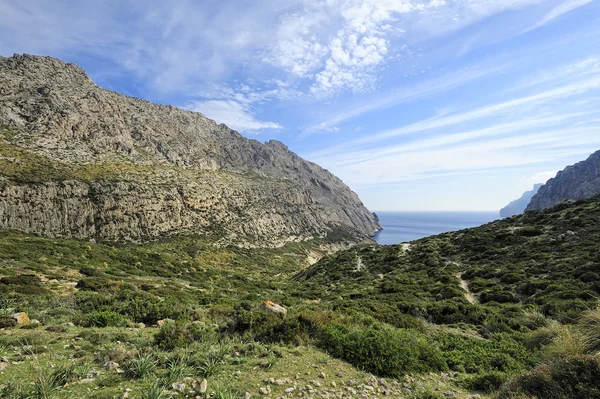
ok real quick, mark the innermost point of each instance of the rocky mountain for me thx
(80, 161)
(575, 182)
(518, 206)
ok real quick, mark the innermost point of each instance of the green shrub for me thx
(589, 326)
(7, 322)
(268, 327)
(102, 319)
(485, 382)
(386, 351)
(500, 352)
(179, 334)
(573, 377)
(140, 367)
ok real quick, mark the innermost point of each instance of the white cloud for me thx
(509, 109)
(408, 94)
(563, 8)
(232, 113)
(337, 45)
(539, 177)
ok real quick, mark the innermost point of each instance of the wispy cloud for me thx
(232, 113)
(563, 8)
(519, 105)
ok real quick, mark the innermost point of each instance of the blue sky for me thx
(417, 105)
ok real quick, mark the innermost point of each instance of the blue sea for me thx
(408, 226)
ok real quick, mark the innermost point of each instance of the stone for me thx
(179, 387)
(111, 366)
(269, 306)
(450, 394)
(161, 323)
(200, 386)
(21, 318)
(264, 390)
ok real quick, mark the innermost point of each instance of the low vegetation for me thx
(158, 318)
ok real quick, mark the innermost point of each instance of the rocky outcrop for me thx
(21, 318)
(518, 206)
(80, 161)
(575, 182)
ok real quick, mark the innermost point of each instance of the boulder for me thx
(21, 318)
(269, 306)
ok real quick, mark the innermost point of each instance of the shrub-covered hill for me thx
(546, 259)
(455, 315)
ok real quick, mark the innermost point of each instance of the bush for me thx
(267, 327)
(573, 377)
(589, 326)
(178, 334)
(386, 351)
(486, 382)
(7, 322)
(102, 319)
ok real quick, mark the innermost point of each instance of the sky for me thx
(416, 105)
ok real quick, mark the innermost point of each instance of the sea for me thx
(408, 226)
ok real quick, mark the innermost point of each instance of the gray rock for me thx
(129, 169)
(575, 182)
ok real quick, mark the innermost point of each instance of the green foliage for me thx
(567, 378)
(486, 382)
(501, 352)
(386, 351)
(102, 319)
(589, 327)
(298, 329)
(179, 334)
(141, 366)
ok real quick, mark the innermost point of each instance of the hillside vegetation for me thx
(507, 310)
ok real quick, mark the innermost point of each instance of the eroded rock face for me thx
(124, 168)
(575, 182)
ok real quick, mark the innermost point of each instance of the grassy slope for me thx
(409, 300)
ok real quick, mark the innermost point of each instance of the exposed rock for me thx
(161, 323)
(91, 163)
(518, 206)
(111, 365)
(575, 182)
(21, 318)
(269, 306)
(264, 390)
(200, 386)
(178, 387)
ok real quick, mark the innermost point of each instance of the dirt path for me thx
(359, 264)
(465, 286)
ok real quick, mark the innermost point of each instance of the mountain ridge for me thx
(575, 182)
(125, 168)
(518, 206)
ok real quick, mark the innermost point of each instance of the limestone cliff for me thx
(80, 161)
(575, 182)
(518, 206)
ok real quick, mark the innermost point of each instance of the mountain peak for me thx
(120, 167)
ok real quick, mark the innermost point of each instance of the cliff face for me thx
(80, 161)
(578, 181)
(518, 206)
